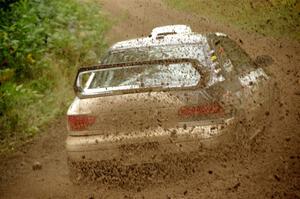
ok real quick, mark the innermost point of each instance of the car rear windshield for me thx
(191, 51)
(170, 75)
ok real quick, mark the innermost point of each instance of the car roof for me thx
(164, 36)
(176, 39)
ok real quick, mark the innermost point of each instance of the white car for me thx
(166, 93)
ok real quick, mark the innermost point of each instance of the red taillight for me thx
(80, 122)
(205, 109)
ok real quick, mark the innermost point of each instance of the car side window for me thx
(231, 54)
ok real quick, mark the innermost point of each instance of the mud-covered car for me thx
(171, 92)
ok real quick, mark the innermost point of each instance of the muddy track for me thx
(268, 167)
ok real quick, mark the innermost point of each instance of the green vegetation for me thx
(42, 42)
(278, 18)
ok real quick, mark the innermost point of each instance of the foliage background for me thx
(42, 43)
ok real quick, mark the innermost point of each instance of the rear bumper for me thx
(147, 146)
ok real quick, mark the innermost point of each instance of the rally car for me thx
(170, 92)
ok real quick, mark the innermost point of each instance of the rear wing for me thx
(204, 73)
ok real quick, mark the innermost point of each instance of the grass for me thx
(276, 18)
(42, 43)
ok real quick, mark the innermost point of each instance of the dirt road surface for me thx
(268, 168)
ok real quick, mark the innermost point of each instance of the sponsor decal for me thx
(213, 58)
(206, 109)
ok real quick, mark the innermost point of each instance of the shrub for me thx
(41, 44)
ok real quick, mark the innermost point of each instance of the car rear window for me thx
(191, 51)
(171, 75)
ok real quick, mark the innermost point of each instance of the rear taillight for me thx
(204, 109)
(80, 122)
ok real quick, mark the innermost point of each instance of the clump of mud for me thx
(264, 60)
(172, 167)
(115, 173)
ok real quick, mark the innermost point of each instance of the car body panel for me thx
(122, 114)
(143, 146)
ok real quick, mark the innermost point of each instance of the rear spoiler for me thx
(200, 68)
